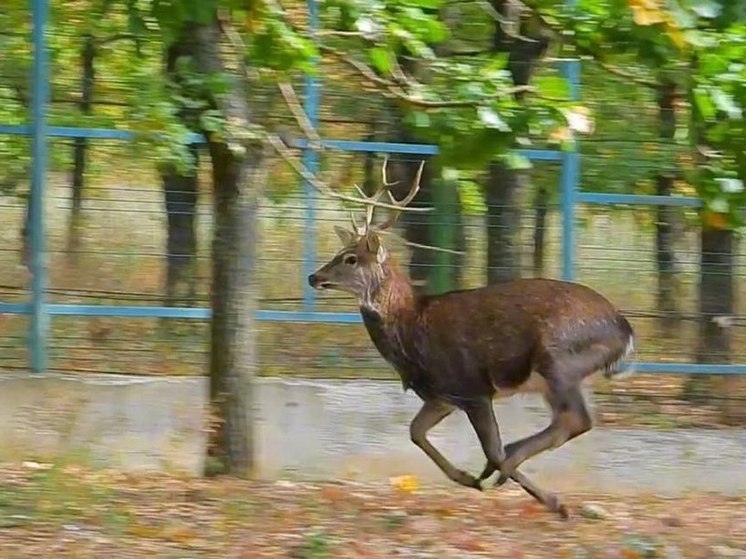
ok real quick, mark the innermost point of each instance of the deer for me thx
(462, 349)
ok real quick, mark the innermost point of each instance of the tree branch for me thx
(293, 103)
(393, 89)
(618, 72)
(283, 151)
(403, 240)
(114, 38)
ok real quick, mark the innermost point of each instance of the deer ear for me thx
(344, 235)
(382, 254)
(372, 242)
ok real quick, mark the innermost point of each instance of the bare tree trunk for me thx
(716, 302)
(503, 184)
(665, 218)
(541, 202)
(180, 192)
(233, 351)
(503, 224)
(80, 145)
(239, 170)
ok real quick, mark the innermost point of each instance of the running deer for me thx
(462, 349)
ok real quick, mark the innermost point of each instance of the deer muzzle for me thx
(317, 282)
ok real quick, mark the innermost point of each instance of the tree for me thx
(620, 44)
(180, 179)
(707, 38)
(504, 182)
(719, 101)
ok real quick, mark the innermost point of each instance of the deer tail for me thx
(618, 368)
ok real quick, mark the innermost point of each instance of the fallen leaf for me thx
(406, 483)
(333, 493)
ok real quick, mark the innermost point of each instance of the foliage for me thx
(465, 104)
(720, 101)
(697, 45)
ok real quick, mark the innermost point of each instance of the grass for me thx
(122, 244)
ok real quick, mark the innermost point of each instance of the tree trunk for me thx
(503, 184)
(239, 170)
(415, 226)
(180, 192)
(233, 351)
(541, 203)
(181, 195)
(716, 303)
(80, 145)
(503, 224)
(665, 218)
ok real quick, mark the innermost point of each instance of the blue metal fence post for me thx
(569, 182)
(311, 162)
(40, 94)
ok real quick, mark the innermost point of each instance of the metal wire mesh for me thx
(115, 251)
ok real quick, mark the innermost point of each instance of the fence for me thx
(40, 310)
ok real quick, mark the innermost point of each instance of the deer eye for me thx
(350, 260)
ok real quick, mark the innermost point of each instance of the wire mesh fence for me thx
(112, 227)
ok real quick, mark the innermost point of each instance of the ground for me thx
(65, 511)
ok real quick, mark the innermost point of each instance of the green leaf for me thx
(381, 59)
(211, 120)
(719, 205)
(725, 103)
(730, 185)
(553, 86)
(708, 9)
(704, 103)
(516, 161)
(491, 119)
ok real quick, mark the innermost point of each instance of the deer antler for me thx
(282, 150)
(372, 202)
(404, 202)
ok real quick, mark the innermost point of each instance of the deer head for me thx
(362, 264)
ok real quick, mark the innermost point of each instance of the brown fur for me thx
(463, 348)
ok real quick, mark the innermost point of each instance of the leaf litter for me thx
(65, 512)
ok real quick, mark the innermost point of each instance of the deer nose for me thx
(312, 280)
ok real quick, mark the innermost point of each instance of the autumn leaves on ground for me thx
(65, 511)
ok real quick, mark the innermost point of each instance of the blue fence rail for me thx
(40, 311)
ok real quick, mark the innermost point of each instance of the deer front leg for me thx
(481, 414)
(432, 413)
(570, 418)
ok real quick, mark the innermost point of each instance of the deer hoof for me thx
(501, 480)
(468, 480)
(554, 504)
(489, 469)
(563, 512)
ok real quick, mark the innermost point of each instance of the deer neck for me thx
(392, 299)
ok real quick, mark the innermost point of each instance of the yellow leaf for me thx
(179, 534)
(677, 37)
(715, 220)
(643, 16)
(144, 531)
(406, 483)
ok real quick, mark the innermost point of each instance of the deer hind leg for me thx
(481, 414)
(432, 413)
(570, 418)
